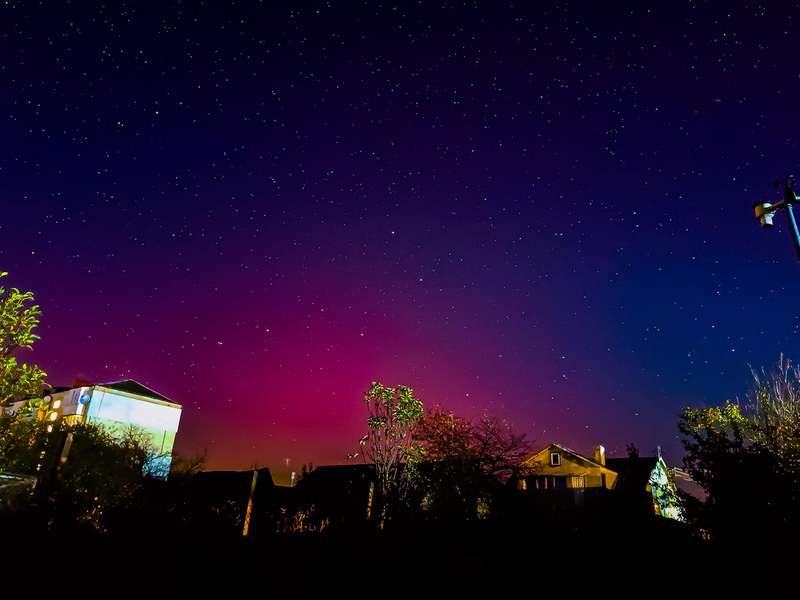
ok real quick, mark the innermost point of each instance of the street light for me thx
(765, 211)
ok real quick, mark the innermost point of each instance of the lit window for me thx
(555, 459)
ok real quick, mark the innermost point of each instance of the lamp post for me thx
(765, 211)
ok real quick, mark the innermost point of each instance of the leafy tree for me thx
(22, 441)
(103, 477)
(19, 317)
(393, 413)
(466, 461)
(747, 458)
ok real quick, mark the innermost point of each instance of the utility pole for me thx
(248, 513)
(765, 211)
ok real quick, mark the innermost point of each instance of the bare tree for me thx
(773, 411)
(466, 460)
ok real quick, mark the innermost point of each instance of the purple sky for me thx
(540, 212)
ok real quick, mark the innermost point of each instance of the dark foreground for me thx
(424, 560)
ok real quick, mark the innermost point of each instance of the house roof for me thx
(634, 472)
(235, 484)
(685, 483)
(340, 473)
(134, 387)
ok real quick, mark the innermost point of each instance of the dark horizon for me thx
(543, 212)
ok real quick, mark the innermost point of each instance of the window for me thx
(578, 481)
(555, 459)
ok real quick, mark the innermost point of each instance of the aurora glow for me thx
(543, 212)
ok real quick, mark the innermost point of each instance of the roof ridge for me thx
(566, 449)
(155, 395)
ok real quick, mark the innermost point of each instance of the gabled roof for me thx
(580, 457)
(134, 387)
(338, 474)
(233, 484)
(634, 472)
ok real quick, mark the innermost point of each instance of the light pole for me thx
(765, 211)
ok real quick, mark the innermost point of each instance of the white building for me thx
(117, 405)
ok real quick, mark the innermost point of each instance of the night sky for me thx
(543, 211)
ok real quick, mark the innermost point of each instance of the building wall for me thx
(664, 493)
(572, 466)
(118, 411)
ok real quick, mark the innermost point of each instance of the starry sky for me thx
(539, 210)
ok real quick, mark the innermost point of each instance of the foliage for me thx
(466, 461)
(104, 474)
(709, 435)
(393, 413)
(633, 451)
(186, 467)
(664, 492)
(22, 441)
(747, 458)
(18, 320)
(774, 409)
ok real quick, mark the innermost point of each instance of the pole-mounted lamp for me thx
(765, 211)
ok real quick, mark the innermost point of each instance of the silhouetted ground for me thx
(576, 558)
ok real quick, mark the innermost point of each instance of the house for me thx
(559, 479)
(233, 502)
(646, 484)
(556, 467)
(117, 405)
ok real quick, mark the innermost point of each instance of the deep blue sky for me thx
(539, 210)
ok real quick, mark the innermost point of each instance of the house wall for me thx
(73, 402)
(571, 466)
(117, 410)
(664, 492)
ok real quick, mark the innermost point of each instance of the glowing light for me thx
(49, 429)
(56, 404)
(53, 416)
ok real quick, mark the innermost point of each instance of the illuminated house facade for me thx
(559, 477)
(117, 406)
(556, 467)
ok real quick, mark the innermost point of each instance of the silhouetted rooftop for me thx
(634, 472)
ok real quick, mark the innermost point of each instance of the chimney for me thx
(600, 455)
(81, 382)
